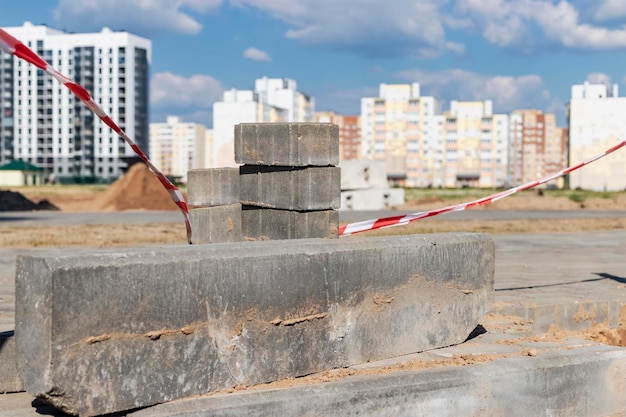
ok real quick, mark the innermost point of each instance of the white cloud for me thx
(146, 17)
(256, 55)
(532, 24)
(171, 91)
(610, 10)
(599, 78)
(506, 92)
(371, 27)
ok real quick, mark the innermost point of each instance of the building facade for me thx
(272, 100)
(43, 123)
(400, 128)
(177, 147)
(475, 146)
(349, 133)
(537, 146)
(597, 122)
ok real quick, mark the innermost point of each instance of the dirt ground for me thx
(139, 190)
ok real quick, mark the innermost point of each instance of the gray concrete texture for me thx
(10, 380)
(217, 224)
(287, 144)
(289, 188)
(584, 382)
(138, 327)
(360, 175)
(269, 224)
(213, 187)
(372, 199)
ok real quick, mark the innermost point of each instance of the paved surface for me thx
(566, 269)
(30, 218)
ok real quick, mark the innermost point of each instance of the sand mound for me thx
(14, 201)
(138, 189)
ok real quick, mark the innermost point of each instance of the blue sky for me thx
(518, 53)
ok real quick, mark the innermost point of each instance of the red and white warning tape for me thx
(400, 220)
(13, 46)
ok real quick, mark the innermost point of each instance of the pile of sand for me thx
(138, 189)
(14, 201)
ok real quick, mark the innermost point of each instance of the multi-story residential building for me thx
(537, 147)
(597, 122)
(349, 133)
(475, 142)
(272, 100)
(176, 147)
(400, 128)
(43, 123)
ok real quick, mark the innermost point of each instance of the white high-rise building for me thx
(272, 100)
(176, 147)
(597, 122)
(43, 123)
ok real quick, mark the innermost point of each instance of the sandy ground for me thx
(89, 199)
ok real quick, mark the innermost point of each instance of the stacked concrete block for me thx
(364, 186)
(215, 206)
(290, 184)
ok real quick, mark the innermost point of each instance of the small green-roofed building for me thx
(20, 173)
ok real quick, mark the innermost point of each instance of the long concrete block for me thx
(218, 224)
(312, 188)
(101, 331)
(287, 144)
(270, 224)
(572, 382)
(213, 187)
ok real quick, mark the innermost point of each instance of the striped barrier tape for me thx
(400, 220)
(13, 46)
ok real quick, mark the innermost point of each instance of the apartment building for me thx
(43, 123)
(597, 122)
(349, 133)
(537, 146)
(176, 147)
(475, 146)
(399, 126)
(272, 100)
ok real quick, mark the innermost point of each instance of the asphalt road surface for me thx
(44, 218)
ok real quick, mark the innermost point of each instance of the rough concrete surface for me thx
(287, 144)
(216, 224)
(213, 187)
(186, 320)
(534, 271)
(269, 224)
(288, 188)
(550, 384)
(10, 381)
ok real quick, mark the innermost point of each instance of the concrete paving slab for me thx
(213, 187)
(287, 144)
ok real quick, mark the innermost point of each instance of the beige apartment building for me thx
(475, 143)
(349, 133)
(176, 147)
(399, 126)
(537, 147)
